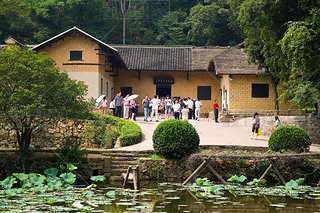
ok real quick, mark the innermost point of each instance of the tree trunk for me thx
(124, 12)
(124, 30)
(274, 84)
(24, 137)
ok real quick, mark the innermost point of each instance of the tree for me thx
(172, 29)
(213, 23)
(33, 91)
(264, 23)
(125, 11)
(301, 47)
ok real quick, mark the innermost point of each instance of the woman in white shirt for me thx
(277, 123)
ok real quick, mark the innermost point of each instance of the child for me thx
(277, 123)
(184, 112)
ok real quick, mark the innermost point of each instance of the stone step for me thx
(118, 171)
(116, 166)
(116, 178)
(127, 154)
(121, 158)
(127, 162)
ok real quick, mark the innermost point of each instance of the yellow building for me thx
(207, 73)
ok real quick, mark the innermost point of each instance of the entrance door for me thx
(125, 91)
(163, 90)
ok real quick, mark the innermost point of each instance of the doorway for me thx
(125, 91)
(163, 90)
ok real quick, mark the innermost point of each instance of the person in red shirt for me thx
(216, 110)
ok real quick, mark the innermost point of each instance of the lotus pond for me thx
(51, 193)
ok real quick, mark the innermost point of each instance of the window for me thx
(125, 91)
(260, 90)
(75, 55)
(204, 92)
(101, 86)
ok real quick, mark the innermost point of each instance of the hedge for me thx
(175, 139)
(289, 138)
(130, 132)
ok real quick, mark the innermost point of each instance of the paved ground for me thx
(211, 133)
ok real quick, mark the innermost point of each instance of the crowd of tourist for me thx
(163, 108)
(154, 108)
(167, 108)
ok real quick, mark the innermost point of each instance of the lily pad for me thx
(51, 172)
(8, 182)
(98, 178)
(69, 177)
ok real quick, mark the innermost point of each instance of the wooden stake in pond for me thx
(126, 177)
(205, 163)
(134, 177)
(195, 172)
(272, 164)
(135, 172)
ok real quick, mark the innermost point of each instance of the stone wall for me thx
(180, 170)
(48, 136)
(311, 125)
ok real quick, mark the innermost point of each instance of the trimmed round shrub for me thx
(175, 139)
(289, 138)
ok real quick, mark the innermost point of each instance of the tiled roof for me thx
(202, 55)
(232, 61)
(156, 58)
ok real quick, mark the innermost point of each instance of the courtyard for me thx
(211, 134)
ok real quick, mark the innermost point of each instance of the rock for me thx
(187, 173)
(12, 133)
(51, 131)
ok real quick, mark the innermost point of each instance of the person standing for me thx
(118, 103)
(197, 105)
(185, 113)
(111, 107)
(190, 107)
(255, 125)
(162, 108)
(104, 104)
(155, 107)
(193, 109)
(182, 104)
(134, 107)
(145, 104)
(277, 123)
(167, 107)
(176, 110)
(216, 111)
(126, 107)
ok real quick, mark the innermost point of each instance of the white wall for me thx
(90, 79)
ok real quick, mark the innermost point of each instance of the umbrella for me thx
(132, 97)
(100, 99)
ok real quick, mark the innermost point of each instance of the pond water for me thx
(165, 197)
(171, 198)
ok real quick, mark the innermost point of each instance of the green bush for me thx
(106, 129)
(289, 138)
(175, 139)
(130, 132)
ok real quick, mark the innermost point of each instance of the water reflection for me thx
(173, 198)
